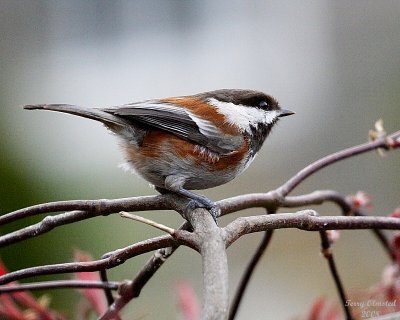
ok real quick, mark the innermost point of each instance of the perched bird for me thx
(188, 142)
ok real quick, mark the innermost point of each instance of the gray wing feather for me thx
(180, 122)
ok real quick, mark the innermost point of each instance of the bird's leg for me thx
(199, 201)
(174, 183)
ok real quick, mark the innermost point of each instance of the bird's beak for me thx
(285, 112)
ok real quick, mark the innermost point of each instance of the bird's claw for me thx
(209, 205)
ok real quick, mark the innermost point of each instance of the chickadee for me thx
(189, 142)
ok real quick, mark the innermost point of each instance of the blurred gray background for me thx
(336, 63)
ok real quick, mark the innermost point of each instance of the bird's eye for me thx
(264, 104)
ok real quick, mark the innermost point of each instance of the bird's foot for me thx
(212, 208)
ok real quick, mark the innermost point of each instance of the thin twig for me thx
(327, 253)
(316, 198)
(47, 224)
(59, 284)
(304, 220)
(321, 196)
(107, 291)
(248, 273)
(112, 260)
(95, 207)
(132, 289)
(149, 222)
(382, 142)
(381, 238)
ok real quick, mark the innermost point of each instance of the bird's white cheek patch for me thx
(270, 116)
(242, 116)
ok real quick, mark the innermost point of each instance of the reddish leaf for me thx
(322, 309)
(95, 297)
(187, 301)
(395, 213)
(23, 305)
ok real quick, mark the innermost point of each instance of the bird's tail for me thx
(94, 114)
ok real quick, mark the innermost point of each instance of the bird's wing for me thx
(180, 122)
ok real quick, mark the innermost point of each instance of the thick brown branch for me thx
(215, 265)
(105, 207)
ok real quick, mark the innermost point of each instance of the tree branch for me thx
(304, 220)
(248, 273)
(328, 255)
(112, 260)
(207, 238)
(383, 142)
(131, 289)
(215, 265)
(59, 284)
(106, 207)
(95, 207)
